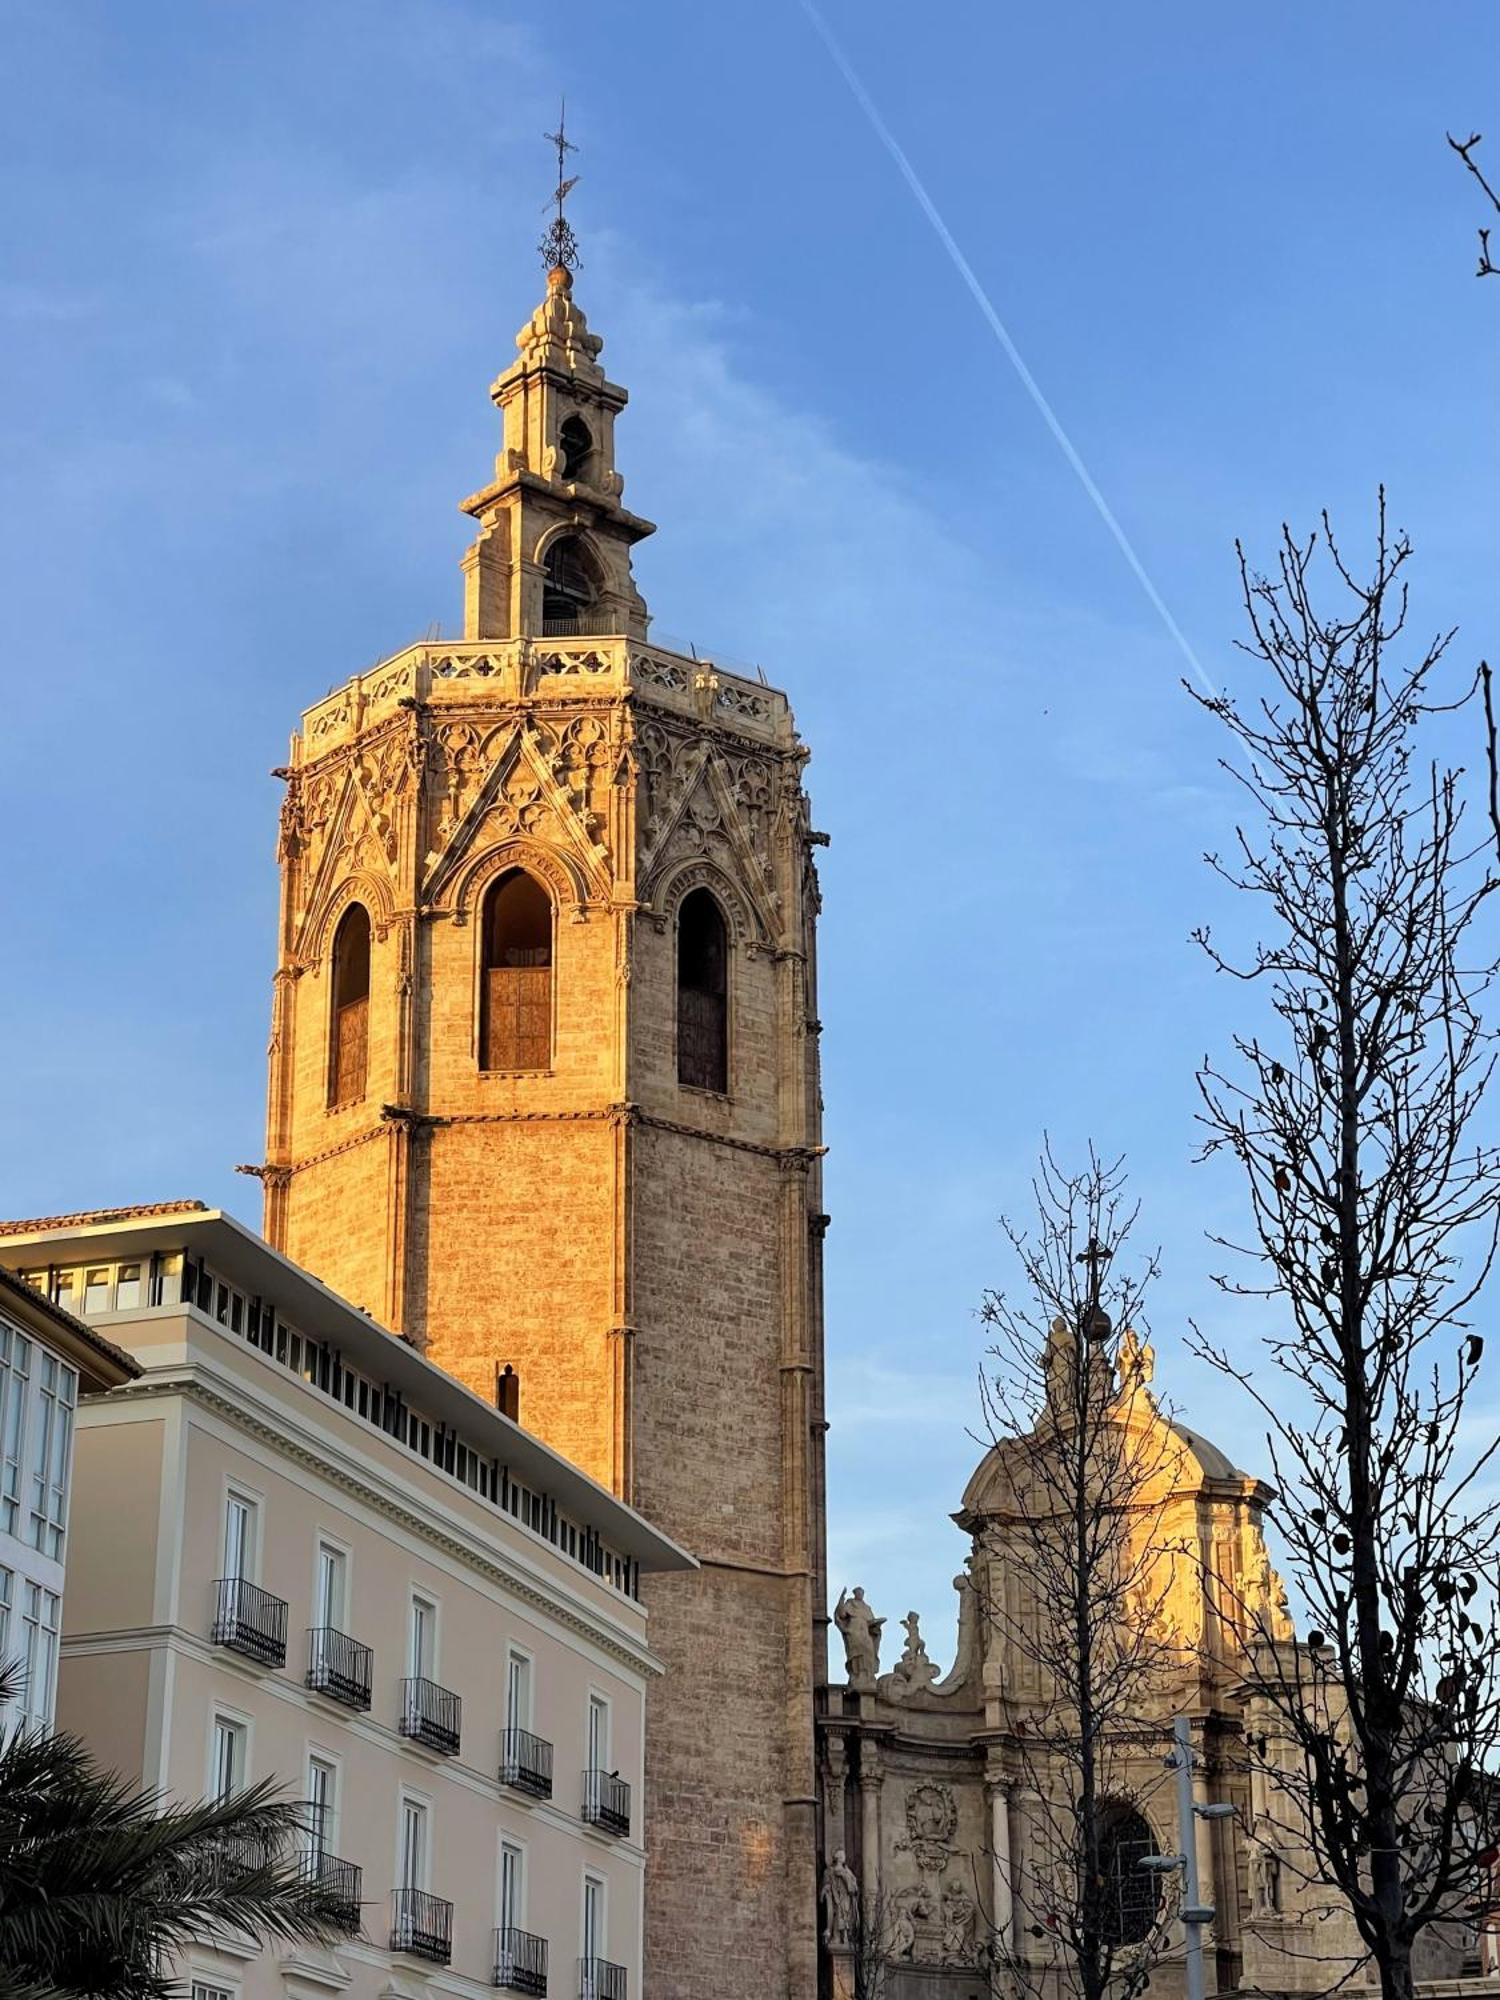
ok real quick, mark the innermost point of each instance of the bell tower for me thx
(544, 1097)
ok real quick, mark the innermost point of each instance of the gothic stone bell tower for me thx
(544, 1097)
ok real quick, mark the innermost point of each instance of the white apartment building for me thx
(47, 1358)
(303, 1552)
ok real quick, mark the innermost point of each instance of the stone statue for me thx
(1265, 1879)
(1059, 1360)
(912, 1907)
(1136, 1362)
(861, 1631)
(913, 1672)
(959, 1912)
(840, 1899)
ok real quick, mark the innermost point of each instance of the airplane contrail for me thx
(1001, 332)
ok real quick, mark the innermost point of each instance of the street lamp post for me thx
(1195, 1913)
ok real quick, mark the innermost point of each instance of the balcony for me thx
(526, 1763)
(422, 1925)
(430, 1716)
(340, 1882)
(520, 1962)
(599, 1980)
(339, 1667)
(582, 624)
(250, 1621)
(606, 1802)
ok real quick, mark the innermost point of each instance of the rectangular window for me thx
(422, 1649)
(96, 1291)
(512, 1887)
(598, 1759)
(64, 1290)
(593, 1917)
(128, 1294)
(517, 1691)
(15, 1385)
(39, 1621)
(322, 1803)
(11, 1711)
(228, 1773)
(413, 1857)
(203, 1989)
(57, 1392)
(330, 1608)
(239, 1537)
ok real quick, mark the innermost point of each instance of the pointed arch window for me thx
(577, 448)
(349, 1035)
(702, 993)
(570, 588)
(515, 1025)
(1130, 1892)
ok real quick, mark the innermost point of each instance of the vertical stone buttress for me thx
(647, 1256)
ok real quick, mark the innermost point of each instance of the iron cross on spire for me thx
(559, 247)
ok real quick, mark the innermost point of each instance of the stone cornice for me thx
(192, 1388)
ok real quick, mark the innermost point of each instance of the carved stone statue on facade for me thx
(840, 1899)
(1265, 1879)
(959, 1915)
(1136, 1362)
(1059, 1360)
(914, 1672)
(861, 1631)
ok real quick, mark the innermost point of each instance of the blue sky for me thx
(261, 263)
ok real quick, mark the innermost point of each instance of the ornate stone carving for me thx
(839, 1897)
(914, 1672)
(861, 1633)
(960, 1913)
(931, 1817)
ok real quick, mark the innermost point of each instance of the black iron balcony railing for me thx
(606, 1801)
(250, 1621)
(430, 1715)
(339, 1666)
(340, 1881)
(422, 1925)
(526, 1762)
(520, 1961)
(599, 1980)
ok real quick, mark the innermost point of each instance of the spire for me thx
(559, 247)
(553, 553)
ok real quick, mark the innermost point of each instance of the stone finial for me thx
(557, 334)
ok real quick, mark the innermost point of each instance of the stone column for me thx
(869, 1823)
(1208, 1877)
(1002, 1893)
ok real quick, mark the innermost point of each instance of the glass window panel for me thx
(96, 1291)
(128, 1294)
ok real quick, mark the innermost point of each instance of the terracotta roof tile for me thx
(93, 1218)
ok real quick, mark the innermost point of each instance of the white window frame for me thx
(416, 1669)
(15, 1425)
(237, 1720)
(517, 1921)
(212, 1988)
(323, 1833)
(418, 1802)
(518, 1657)
(598, 1704)
(600, 1942)
(237, 1494)
(332, 1546)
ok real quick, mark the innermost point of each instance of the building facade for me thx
(951, 1800)
(544, 1094)
(48, 1358)
(304, 1553)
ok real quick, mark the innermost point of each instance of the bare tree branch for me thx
(1375, 1213)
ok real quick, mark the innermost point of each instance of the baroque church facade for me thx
(544, 1098)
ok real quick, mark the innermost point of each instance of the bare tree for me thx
(1084, 1575)
(1466, 149)
(1352, 1113)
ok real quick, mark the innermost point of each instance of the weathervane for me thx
(559, 247)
